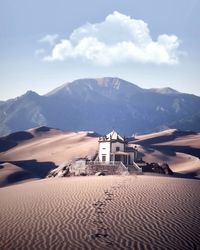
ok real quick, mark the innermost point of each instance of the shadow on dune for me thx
(12, 140)
(17, 177)
(182, 149)
(93, 134)
(29, 169)
(166, 152)
(6, 144)
(39, 169)
(43, 129)
(19, 136)
(165, 138)
(192, 175)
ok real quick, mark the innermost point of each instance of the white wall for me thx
(132, 157)
(117, 144)
(104, 149)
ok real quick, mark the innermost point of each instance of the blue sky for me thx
(44, 44)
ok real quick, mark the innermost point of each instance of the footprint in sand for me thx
(102, 232)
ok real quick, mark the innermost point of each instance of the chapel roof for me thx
(112, 136)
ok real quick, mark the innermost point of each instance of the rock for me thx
(61, 171)
(83, 174)
(157, 168)
(100, 174)
(162, 169)
(166, 169)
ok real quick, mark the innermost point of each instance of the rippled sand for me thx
(107, 212)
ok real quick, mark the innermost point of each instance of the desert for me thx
(135, 211)
(31, 154)
(101, 212)
(99, 125)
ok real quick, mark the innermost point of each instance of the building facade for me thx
(113, 147)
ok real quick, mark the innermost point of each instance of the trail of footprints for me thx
(101, 231)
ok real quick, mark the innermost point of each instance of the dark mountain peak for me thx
(30, 93)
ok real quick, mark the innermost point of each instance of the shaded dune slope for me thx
(37, 151)
(170, 135)
(180, 149)
(10, 173)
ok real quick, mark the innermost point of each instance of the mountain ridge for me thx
(99, 105)
(109, 81)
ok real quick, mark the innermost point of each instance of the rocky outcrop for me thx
(62, 171)
(82, 167)
(157, 168)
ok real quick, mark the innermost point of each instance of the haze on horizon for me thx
(45, 44)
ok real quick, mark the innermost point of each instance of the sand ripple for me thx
(112, 212)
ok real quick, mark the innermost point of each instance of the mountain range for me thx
(101, 105)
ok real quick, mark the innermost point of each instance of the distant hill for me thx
(101, 105)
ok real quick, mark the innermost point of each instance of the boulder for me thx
(61, 171)
(100, 174)
(166, 169)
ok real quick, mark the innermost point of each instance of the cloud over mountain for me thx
(118, 39)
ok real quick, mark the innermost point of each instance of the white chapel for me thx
(114, 148)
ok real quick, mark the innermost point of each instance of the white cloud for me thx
(118, 39)
(51, 39)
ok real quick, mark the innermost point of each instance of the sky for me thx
(151, 43)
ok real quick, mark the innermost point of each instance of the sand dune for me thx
(8, 172)
(38, 150)
(41, 149)
(145, 137)
(170, 135)
(191, 140)
(53, 145)
(178, 162)
(180, 149)
(110, 212)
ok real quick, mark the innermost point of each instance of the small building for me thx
(114, 148)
